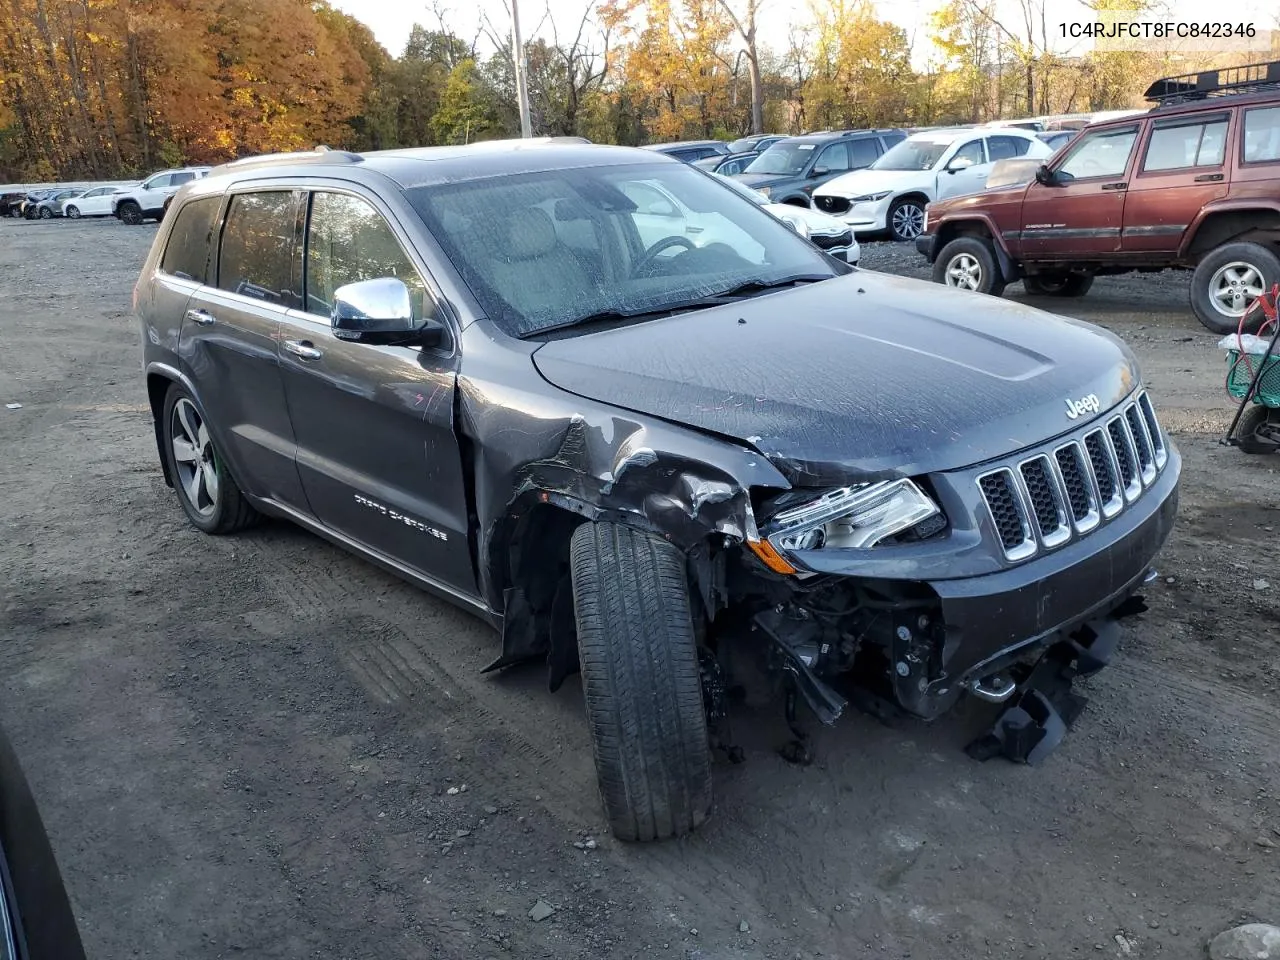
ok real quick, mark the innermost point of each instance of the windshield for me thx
(912, 154)
(546, 249)
(783, 158)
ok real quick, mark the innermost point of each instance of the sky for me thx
(391, 20)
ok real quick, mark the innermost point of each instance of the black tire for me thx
(46, 213)
(228, 510)
(1214, 271)
(1058, 284)
(641, 681)
(73, 212)
(977, 258)
(129, 212)
(905, 219)
(1248, 430)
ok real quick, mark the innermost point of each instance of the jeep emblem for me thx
(1086, 404)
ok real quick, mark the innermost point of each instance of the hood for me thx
(815, 221)
(858, 183)
(754, 180)
(858, 377)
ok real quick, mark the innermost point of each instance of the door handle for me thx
(202, 317)
(1115, 186)
(303, 349)
(1208, 178)
(693, 229)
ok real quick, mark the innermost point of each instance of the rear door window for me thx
(1262, 135)
(187, 253)
(181, 178)
(258, 247)
(1188, 142)
(862, 153)
(1006, 148)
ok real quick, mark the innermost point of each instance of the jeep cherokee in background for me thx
(791, 169)
(650, 461)
(147, 201)
(1193, 183)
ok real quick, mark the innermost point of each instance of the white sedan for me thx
(92, 203)
(826, 232)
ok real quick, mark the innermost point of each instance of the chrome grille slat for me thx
(1045, 496)
(1153, 430)
(1049, 497)
(1008, 512)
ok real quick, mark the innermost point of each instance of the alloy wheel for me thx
(73, 213)
(1233, 288)
(908, 221)
(965, 272)
(194, 457)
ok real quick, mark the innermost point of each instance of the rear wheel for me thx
(640, 677)
(1228, 280)
(73, 213)
(969, 263)
(1058, 284)
(1259, 430)
(209, 496)
(130, 213)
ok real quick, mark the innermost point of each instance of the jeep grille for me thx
(1055, 495)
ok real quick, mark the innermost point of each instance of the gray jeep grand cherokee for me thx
(652, 454)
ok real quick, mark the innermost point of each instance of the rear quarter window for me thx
(1262, 135)
(187, 253)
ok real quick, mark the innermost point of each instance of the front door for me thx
(1182, 168)
(966, 171)
(1081, 212)
(376, 448)
(229, 329)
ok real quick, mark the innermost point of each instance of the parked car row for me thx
(132, 203)
(1192, 184)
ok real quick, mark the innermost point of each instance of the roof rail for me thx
(321, 154)
(1249, 78)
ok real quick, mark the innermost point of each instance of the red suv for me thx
(1193, 183)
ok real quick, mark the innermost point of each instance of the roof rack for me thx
(321, 154)
(1250, 78)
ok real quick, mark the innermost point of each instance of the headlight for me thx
(871, 197)
(797, 225)
(763, 191)
(851, 517)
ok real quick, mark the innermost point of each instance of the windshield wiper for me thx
(741, 292)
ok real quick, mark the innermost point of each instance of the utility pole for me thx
(517, 57)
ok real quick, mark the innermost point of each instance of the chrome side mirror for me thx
(380, 311)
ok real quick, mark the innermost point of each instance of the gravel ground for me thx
(261, 746)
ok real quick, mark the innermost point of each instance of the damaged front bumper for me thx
(950, 634)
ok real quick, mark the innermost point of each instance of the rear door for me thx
(376, 449)
(1081, 214)
(229, 332)
(1182, 167)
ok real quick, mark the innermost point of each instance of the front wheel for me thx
(130, 213)
(640, 678)
(1259, 430)
(906, 218)
(208, 494)
(73, 213)
(46, 213)
(1058, 284)
(969, 263)
(1228, 280)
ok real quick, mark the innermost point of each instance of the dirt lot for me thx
(245, 746)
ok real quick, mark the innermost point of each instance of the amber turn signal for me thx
(770, 557)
